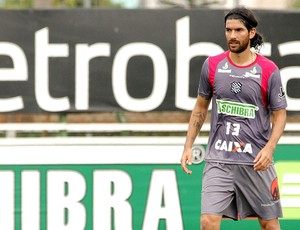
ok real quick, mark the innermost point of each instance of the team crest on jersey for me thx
(236, 87)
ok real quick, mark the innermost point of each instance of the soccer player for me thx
(245, 89)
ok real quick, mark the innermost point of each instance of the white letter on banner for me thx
(19, 72)
(289, 48)
(44, 50)
(30, 192)
(291, 72)
(266, 49)
(84, 53)
(65, 190)
(163, 190)
(184, 53)
(7, 199)
(160, 82)
(112, 188)
(287, 74)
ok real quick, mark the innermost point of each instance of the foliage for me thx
(17, 4)
(23, 4)
(67, 3)
(80, 3)
(295, 4)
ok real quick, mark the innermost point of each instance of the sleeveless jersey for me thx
(243, 98)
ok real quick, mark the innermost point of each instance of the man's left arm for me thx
(265, 156)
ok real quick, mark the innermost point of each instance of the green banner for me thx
(124, 196)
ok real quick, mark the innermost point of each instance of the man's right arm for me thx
(196, 121)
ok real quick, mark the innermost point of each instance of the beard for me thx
(239, 48)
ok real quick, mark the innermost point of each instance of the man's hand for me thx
(263, 159)
(186, 159)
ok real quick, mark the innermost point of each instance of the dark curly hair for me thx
(248, 18)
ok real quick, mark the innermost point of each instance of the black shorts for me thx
(237, 191)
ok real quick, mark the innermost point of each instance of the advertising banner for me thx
(125, 60)
(119, 185)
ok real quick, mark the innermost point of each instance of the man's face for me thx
(237, 35)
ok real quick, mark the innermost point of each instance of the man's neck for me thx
(242, 59)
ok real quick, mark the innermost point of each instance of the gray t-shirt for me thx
(242, 100)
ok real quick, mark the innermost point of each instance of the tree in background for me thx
(67, 3)
(23, 4)
(80, 3)
(16, 4)
(295, 4)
